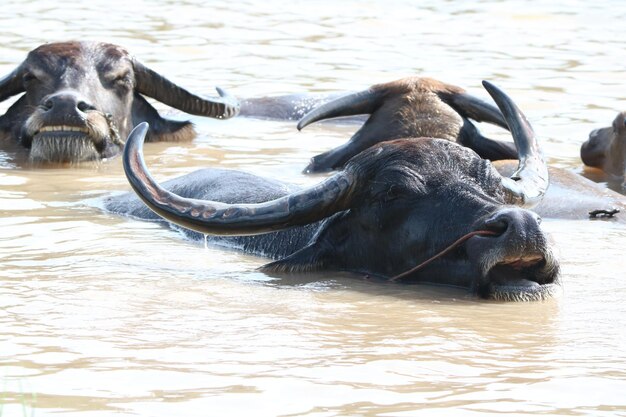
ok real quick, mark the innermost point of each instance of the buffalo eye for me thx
(394, 192)
(120, 80)
(28, 79)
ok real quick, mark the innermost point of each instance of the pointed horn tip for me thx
(222, 92)
(307, 119)
(504, 102)
(231, 104)
(133, 151)
(301, 124)
(491, 88)
(138, 134)
(228, 98)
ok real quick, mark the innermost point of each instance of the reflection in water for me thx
(103, 315)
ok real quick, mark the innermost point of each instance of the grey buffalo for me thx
(79, 100)
(413, 210)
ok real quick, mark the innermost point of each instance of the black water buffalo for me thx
(405, 108)
(81, 98)
(606, 149)
(417, 210)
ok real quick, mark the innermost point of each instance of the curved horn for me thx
(12, 84)
(211, 217)
(152, 84)
(363, 102)
(530, 181)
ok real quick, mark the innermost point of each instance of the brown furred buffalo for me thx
(406, 108)
(423, 107)
(414, 210)
(80, 99)
(606, 149)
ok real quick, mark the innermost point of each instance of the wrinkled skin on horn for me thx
(81, 99)
(410, 107)
(391, 207)
(606, 149)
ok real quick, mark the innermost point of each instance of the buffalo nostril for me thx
(47, 104)
(498, 225)
(512, 221)
(84, 106)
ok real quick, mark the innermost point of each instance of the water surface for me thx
(102, 315)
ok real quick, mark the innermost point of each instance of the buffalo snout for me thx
(516, 238)
(513, 222)
(514, 256)
(67, 127)
(68, 103)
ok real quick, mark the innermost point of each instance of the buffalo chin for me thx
(522, 280)
(63, 147)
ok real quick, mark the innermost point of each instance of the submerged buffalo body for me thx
(573, 197)
(81, 98)
(606, 149)
(392, 207)
(407, 108)
(292, 107)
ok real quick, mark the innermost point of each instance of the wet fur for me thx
(425, 115)
(74, 147)
(523, 295)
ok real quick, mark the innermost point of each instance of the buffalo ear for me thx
(161, 129)
(12, 84)
(493, 150)
(471, 107)
(10, 124)
(313, 257)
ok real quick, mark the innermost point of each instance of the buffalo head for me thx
(606, 149)
(393, 206)
(81, 98)
(409, 108)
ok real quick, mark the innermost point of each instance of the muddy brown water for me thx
(102, 315)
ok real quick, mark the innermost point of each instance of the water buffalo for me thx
(410, 107)
(417, 210)
(606, 149)
(423, 107)
(81, 98)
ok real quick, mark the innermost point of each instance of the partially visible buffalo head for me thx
(410, 108)
(606, 149)
(81, 98)
(393, 206)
